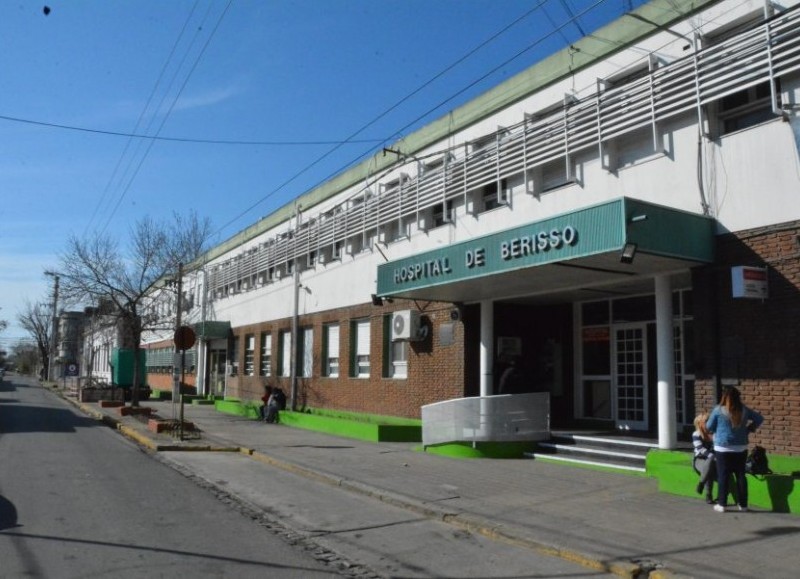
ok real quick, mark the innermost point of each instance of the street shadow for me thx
(19, 418)
(8, 514)
(145, 549)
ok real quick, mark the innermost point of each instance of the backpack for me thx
(280, 398)
(757, 462)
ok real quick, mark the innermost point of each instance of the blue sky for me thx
(244, 96)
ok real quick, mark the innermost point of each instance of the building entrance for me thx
(216, 371)
(630, 377)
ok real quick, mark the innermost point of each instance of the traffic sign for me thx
(184, 338)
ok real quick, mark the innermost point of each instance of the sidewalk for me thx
(606, 521)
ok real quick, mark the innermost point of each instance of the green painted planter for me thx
(237, 408)
(778, 492)
(371, 428)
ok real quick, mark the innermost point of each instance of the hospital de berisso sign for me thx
(477, 256)
(585, 232)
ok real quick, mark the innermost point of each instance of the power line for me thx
(169, 111)
(380, 116)
(270, 143)
(431, 110)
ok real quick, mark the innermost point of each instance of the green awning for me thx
(539, 253)
(212, 330)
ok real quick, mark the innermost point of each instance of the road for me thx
(79, 500)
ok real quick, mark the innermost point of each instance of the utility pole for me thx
(177, 363)
(295, 337)
(54, 330)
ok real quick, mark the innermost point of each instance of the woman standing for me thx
(731, 422)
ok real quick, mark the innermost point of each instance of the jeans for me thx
(731, 463)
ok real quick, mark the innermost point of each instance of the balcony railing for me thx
(763, 53)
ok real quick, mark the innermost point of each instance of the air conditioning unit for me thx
(405, 325)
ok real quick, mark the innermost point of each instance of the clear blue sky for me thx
(286, 80)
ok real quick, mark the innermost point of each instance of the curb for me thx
(470, 523)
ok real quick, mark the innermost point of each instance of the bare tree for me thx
(25, 357)
(97, 270)
(37, 320)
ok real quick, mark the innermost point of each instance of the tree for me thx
(25, 357)
(37, 320)
(97, 270)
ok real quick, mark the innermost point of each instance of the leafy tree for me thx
(98, 270)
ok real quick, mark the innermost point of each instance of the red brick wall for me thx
(752, 344)
(163, 380)
(435, 371)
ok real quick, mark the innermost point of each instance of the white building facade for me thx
(622, 220)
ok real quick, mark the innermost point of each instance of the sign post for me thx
(184, 339)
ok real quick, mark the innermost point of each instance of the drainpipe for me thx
(487, 348)
(295, 313)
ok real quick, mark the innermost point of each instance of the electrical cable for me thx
(150, 98)
(135, 135)
(171, 108)
(442, 103)
(444, 71)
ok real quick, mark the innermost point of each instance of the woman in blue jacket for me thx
(731, 422)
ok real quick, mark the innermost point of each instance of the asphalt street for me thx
(607, 522)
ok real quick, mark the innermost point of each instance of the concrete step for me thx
(607, 451)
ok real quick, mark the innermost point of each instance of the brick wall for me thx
(752, 344)
(435, 371)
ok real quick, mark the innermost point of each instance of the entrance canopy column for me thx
(667, 435)
(487, 348)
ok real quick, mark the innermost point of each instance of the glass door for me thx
(216, 380)
(630, 376)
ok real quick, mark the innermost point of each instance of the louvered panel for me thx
(390, 205)
(733, 65)
(371, 213)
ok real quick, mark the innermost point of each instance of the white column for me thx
(665, 349)
(487, 348)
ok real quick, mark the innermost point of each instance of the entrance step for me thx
(596, 450)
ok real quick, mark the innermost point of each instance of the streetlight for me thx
(54, 332)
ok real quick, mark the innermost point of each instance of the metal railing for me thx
(502, 418)
(760, 54)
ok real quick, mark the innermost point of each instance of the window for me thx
(360, 349)
(266, 354)
(753, 105)
(443, 213)
(395, 359)
(398, 359)
(491, 197)
(330, 364)
(234, 356)
(746, 108)
(249, 355)
(306, 356)
(286, 354)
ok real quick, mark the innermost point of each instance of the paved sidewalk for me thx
(609, 522)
